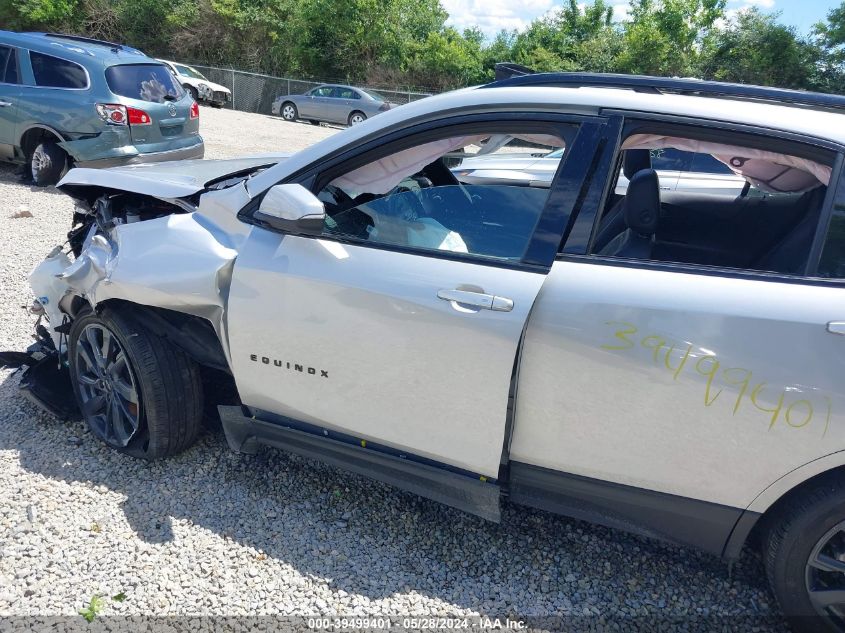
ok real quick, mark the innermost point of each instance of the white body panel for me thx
(405, 368)
(616, 409)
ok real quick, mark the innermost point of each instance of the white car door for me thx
(406, 344)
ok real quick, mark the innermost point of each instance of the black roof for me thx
(510, 75)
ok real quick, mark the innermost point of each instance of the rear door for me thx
(703, 382)
(345, 102)
(161, 108)
(10, 92)
(399, 327)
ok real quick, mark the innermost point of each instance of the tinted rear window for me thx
(8, 65)
(705, 163)
(147, 82)
(54, 72)
(670, 159)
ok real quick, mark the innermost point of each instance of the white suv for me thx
(201, 89)
(667, 362)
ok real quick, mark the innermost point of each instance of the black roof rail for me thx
(662, 85)
(88, 40)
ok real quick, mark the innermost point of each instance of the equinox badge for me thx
(288, 365)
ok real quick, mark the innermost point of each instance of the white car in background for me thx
(201, 89)
(677, 170)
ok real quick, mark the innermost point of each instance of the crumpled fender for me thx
(114, 142)
(181, 262)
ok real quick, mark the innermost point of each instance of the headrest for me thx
(642, 202)
(634, 160)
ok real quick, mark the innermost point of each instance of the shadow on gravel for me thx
(361, 537)
(13, 174)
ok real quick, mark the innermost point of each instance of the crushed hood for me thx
(167, 180)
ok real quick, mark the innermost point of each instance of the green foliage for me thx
(92, 610)
(666, 37)
(408, 43)
(755, 48)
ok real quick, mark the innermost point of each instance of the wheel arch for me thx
(194, 335)
(34, 134)
(767, 504)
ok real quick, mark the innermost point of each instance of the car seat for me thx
(613, 222)
(790, 254)
(641, 213)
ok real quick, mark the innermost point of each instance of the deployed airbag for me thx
(768, 171)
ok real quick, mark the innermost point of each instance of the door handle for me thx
(5, 104)
(477, 299)
(836, 327)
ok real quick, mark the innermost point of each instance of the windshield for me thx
(374, 95)
(147, 82)
(189, 72)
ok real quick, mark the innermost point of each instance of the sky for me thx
(493, 15)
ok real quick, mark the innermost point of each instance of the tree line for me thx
(408, 42)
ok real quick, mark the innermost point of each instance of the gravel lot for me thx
(211, 532)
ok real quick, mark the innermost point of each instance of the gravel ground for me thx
(214, 533)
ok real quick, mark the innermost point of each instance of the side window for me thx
(54, 72)
(321, 92)
(8, 65)
(706, 164)
(478, 193)
(769, 227)
(832, 263)
(670, 159)
(345, 93)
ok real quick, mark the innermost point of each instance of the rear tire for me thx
(314, 122)
(47, 164)
(357, 117)
(289, 111)
(804, 554)
(140, 394)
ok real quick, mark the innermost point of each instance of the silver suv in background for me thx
(332, 104)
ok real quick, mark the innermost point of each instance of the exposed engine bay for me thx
(163, 255)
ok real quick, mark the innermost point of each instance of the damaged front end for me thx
(168, 258)
(45, 378)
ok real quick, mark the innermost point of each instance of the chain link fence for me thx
(254, 92)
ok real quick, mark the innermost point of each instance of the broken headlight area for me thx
(62, 284)
(104, 213)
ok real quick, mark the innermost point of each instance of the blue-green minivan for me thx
(72, 101)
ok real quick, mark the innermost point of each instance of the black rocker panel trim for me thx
(701, 524)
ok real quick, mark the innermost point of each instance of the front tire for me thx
(47, 164)
(195, 95)
(804, 553)
(289, 111)
(138, 393)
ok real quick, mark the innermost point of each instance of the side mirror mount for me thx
(293, 209)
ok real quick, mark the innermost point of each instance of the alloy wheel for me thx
(40, 162)
(825, 576)
(106, 386)
(356, 119)
(288, 112)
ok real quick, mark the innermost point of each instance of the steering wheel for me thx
(402, 202)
